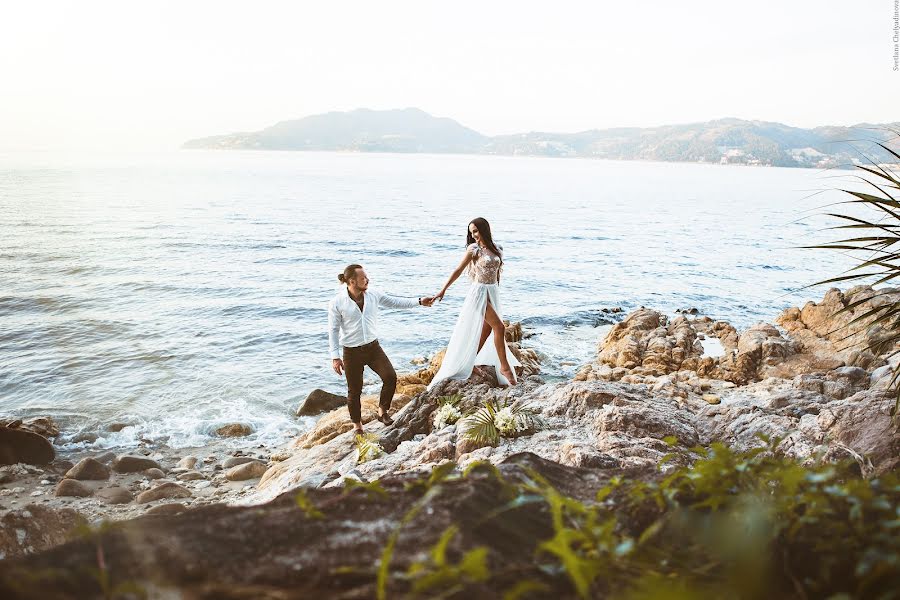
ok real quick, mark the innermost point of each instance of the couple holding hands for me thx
(353, 322)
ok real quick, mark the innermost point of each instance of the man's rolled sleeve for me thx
(334, 329)
(388, 301)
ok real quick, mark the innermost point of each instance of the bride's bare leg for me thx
(491, 317)
(485, 333)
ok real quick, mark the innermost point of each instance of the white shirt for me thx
(359, 327)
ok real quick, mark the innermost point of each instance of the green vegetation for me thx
(733, 525)
(877, 251)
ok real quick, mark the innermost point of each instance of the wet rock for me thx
(234, 430)
(128, 463)
(248, 470)
(72, 487)
(114, 495)
(21, 446)
(163, 491)
(88, 469)
(117, 427)
(319, 401)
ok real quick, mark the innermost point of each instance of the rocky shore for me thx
(651, 397)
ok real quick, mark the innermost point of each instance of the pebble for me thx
(187, 462)
(46, 482)
(191, 476)
(712, 398)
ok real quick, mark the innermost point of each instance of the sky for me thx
(150, 75)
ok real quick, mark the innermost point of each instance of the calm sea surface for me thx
(177, 292)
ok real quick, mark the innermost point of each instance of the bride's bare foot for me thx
(509, 374)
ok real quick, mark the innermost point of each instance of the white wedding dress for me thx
(462, 351)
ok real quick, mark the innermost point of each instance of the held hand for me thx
(338, 366)
(439, 296)
(428, 301)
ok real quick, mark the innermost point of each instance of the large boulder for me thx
(825, 330)
(21, 446)
(319, 401)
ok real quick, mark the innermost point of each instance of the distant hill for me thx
(362, 130)
(732, 141)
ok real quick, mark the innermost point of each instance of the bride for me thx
(479, 336)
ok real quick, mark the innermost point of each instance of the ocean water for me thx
(180, 291)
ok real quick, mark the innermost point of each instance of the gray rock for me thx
(72, 487)
(88, 469)
(163, 491)
(128, 463)
(114, 495)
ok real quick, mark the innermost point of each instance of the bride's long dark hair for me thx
(484, 229)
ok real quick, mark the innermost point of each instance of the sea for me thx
(175, 292)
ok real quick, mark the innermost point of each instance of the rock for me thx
(824, 328)
(163, 491)
(233, 461)
(60, 466)
(88, 469)
(154, 473)
(191, 476)
(72, 487)
(106, 458)
(21, 446)
(117, 427)
(173, 508)
(319, 401)
(85, 437)
(234, 430)
(187, 462)
(114, 495)
(128, 463)
(337, 422)
(712, 398)
(248, 470)
(35, 528)
(43, 426)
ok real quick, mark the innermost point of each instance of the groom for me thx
(355, 312)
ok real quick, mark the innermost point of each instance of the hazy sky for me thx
(125, 74)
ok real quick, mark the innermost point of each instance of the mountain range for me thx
(730, 140)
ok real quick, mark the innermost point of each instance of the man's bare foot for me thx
(509, 374)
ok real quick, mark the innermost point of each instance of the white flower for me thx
(506, 422)
(446, 414)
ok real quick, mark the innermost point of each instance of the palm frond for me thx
(479, 427)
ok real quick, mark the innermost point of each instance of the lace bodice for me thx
(485, 265)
